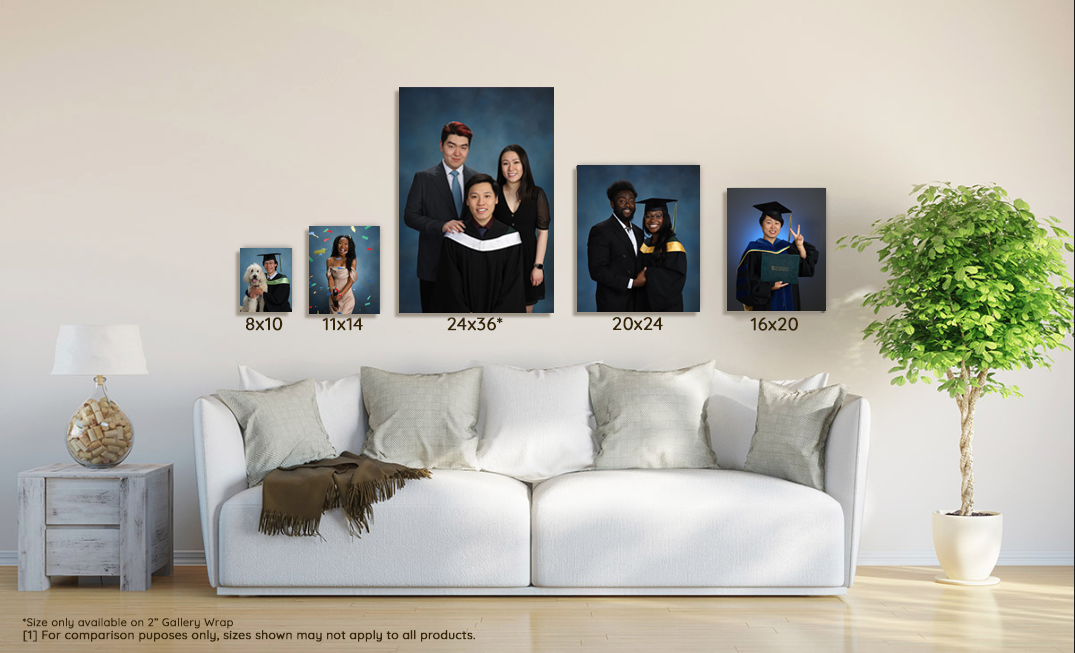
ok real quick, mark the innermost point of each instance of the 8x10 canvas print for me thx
(265, 280)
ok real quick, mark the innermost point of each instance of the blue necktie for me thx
(457, 193)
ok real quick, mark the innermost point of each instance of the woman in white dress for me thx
(340, 270)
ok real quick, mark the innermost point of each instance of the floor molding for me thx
(195, 557)
(929, 559)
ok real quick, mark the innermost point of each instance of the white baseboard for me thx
(179, 558)
(929, 559)
(866, 558)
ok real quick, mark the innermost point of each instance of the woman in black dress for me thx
(525, 207)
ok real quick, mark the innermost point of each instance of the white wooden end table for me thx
(77, 521)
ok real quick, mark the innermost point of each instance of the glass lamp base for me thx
(99, 435)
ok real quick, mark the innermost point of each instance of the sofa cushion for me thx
(535, 424)
(789, 441)
(649, 420)
(423, 420)
(456, 529)
(733, 412)
(281, 427)
(339, 402)
(684, 528)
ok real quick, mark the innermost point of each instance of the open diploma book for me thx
(780, 267)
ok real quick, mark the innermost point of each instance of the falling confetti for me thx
(365, 238)
(325, 240)
(321, 251)
(313, 234)
(352, 228)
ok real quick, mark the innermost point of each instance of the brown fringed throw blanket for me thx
(294, 498)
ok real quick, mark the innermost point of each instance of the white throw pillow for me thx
(733, 413)
(536, 423)
(339, 402)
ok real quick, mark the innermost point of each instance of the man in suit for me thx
(612, 252)
(435, 203)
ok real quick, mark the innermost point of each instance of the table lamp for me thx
(99, 435)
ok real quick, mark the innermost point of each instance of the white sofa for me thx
(621, 532)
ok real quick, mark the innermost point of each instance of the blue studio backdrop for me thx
(367, 285)
(498, 117)
(248, 255)
(681, 182)
(807, 211)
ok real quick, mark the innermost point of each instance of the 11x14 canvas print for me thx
(345, 270)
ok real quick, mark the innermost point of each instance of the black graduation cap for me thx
(660, 204)
(271, 256)
(773, 210)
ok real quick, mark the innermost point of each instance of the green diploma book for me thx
(780, 267)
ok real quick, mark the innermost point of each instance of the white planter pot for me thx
(967, 547)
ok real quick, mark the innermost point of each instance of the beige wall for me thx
(142, 143)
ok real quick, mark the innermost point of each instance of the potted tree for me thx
(977, 285)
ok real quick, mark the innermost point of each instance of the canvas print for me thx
(476, 194)
(345, 270)
(638, 238)
(265, 280)
(776, 257)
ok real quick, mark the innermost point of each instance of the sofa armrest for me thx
(220, 464)
(845, 472)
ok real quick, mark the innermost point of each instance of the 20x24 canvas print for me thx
(638, 238)
(475, 195)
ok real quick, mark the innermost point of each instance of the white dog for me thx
(254, 278)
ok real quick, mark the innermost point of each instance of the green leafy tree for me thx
(978, 285)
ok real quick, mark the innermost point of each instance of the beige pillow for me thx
(423, 420)
(653, 420)
(793, 427)
(281, 427)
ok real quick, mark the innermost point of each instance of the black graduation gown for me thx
(758, 295)
(663, 291)
(278, 296)
(480, 274)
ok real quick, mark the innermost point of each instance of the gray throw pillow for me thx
(423, 420)
(791, 432)
(281, 427)
(651, 420)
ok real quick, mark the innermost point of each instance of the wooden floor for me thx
(892, 609)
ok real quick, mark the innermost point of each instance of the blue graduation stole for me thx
(782, 300)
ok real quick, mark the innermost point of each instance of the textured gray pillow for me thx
(281, 427)
(652, 420)
(423, 420)
(792, 429)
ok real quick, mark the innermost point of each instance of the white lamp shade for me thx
(99, 349)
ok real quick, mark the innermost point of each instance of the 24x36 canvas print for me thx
(638, 238)
(475, 195)
(776, 242)
(345, 270)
